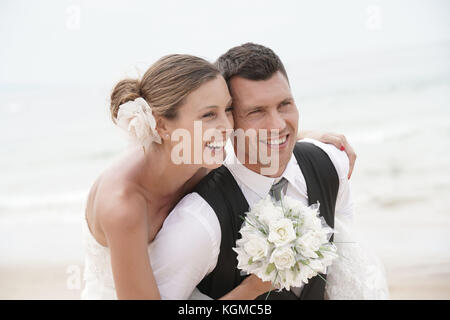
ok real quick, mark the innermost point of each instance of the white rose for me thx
(311, 220)
(270, 215)
(317, 266)
(266, 211)
(246, 230)
(310, 242)
(304, 275)
(281, 232)
(260, 205)
(291, 278)
(256, 247)
(263, 275)
(292, 204)
(136, 117)
(283, 258)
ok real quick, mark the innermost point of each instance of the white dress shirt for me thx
(187, 247)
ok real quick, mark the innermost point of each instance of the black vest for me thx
(223, 194)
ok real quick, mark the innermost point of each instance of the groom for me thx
(194, 247)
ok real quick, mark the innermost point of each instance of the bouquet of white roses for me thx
(284, 242)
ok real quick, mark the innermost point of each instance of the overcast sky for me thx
(91, 42)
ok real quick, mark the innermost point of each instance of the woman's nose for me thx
(225, 122)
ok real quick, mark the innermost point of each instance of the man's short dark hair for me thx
(250, 61)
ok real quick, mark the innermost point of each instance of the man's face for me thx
(268, 105)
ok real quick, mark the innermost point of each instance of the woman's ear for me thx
(162, 126)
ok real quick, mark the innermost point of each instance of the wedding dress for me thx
(356, 274)
(98, 276)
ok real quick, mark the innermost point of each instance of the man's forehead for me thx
(260, 92)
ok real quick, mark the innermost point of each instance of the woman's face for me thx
(202, 126)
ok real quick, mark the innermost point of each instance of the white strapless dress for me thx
(356, 274)
(98, 276)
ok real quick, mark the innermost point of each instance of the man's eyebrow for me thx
(251, 108)
(289, 99)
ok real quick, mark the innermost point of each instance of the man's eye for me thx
(254, 111)
(284, 106)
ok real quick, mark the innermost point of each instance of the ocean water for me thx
(377, 71)
(393, 107)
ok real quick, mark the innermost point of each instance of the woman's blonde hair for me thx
(165, 85)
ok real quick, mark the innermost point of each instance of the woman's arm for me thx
(338, 140)
(125, 225)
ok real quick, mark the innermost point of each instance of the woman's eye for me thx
(209, 114)
(229, 109)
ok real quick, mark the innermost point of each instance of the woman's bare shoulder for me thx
(117, 202)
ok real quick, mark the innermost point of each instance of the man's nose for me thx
(275, 121)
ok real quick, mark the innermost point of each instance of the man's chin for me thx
(275, 167)
(278, 162)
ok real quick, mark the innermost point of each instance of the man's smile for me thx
(276, 143)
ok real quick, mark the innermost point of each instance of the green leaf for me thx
(319, 254)
(250, 261)
(304, 262)
(270, 268)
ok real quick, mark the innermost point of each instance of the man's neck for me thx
(258, 168)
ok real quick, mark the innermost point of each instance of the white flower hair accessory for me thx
(137, 119)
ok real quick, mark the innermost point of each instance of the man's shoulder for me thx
(338, 158)
(191, 205)
(213, 179)
(193, 210)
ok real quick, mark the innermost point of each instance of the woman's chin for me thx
(213, 158)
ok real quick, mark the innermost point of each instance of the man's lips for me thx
(278, 142)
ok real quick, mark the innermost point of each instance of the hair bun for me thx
(124, 91)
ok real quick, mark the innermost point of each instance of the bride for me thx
(130, 200)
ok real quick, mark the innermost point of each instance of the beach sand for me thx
(392, 106)
(24, 283)
(424, 282)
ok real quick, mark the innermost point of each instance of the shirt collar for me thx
(254, 181)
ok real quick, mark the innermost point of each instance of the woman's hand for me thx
(338, 140)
